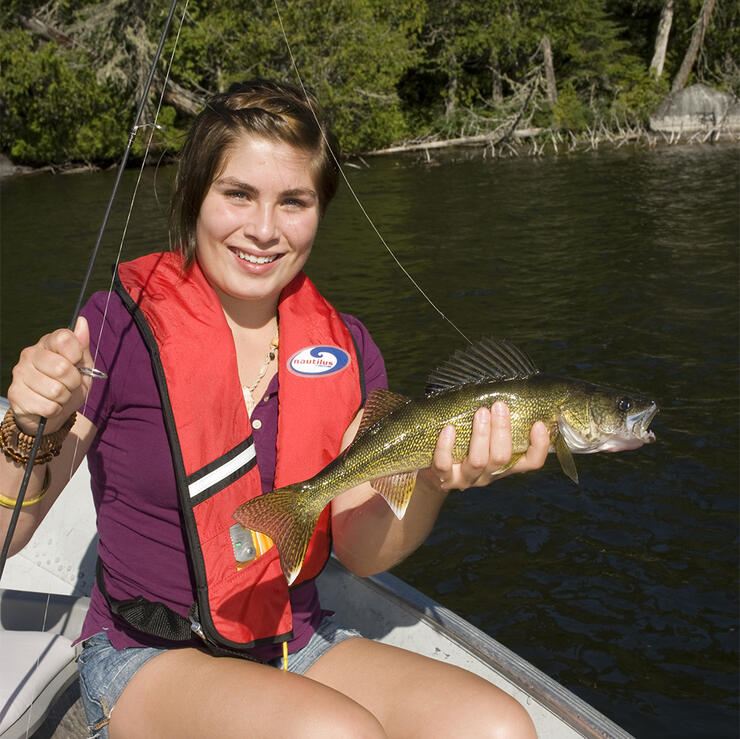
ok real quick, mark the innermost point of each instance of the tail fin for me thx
(286, 518)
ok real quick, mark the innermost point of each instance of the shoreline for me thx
(524, 143)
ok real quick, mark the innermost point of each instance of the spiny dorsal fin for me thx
(379, 403)
(488, 359)
(396, 489)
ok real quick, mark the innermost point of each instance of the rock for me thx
(6, 166)
(697, 108)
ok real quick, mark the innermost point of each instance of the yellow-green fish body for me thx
(398, 435)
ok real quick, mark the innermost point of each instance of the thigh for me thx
(415, 696)
(187, 693)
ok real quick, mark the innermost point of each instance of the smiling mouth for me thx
(252, 259)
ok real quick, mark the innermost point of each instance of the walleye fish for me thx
(397, 436)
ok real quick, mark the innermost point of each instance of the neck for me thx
(249, 314)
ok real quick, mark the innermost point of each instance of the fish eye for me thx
(624, 404)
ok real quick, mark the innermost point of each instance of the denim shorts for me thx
(105, 671)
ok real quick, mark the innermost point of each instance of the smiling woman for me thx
(209, 332)
(256, 226)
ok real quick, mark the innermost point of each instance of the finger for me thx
(501, 446)
(36, 392)
(442, 460)
(539, 446)
(82, 334)
(55, 367)
(539, 438)
(65, 343)
(479, 447)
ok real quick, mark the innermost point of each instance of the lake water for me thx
(619, 267)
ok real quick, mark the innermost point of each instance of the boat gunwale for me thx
(543, 689)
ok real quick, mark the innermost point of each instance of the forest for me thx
(72, 71)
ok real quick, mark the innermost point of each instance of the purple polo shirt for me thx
(142, 541)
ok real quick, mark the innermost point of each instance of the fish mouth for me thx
(638, 424)
(633, 434)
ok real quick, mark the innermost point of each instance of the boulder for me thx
(697, 108)
(6, 166)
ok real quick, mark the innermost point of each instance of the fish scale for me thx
(398, 435)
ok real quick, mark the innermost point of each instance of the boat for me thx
(44, 596)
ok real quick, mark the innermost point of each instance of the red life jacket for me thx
(195, 366)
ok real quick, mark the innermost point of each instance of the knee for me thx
(350, 722)
(510, 720)
(490, 713)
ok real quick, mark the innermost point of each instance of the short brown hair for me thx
(261, 108)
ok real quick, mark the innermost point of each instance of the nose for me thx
(261, 225)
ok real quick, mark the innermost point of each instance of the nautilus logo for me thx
(316, 361)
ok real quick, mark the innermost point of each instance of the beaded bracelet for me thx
(10, 502)
(17, 445)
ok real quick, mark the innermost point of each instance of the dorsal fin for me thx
(488, 359)
(379, 403)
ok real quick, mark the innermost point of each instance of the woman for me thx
(198, 347)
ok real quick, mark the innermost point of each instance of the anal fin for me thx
(397, 490)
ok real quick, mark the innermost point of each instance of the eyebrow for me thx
(292, 192)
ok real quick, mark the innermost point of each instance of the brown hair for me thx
(261, 108)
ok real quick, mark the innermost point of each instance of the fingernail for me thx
(499, 408)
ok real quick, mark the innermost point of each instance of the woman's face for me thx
(258, 221)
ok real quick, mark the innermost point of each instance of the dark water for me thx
(617, 267)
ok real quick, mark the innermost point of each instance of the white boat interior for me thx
(44, 595)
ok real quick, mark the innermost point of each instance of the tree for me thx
(697, 37)
(661, 38)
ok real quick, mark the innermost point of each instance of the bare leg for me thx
(184, 693)
(413, 696)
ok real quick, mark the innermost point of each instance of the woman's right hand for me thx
(46, 381)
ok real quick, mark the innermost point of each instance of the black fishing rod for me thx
(42, 421)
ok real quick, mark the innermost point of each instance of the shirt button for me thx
(256, 424)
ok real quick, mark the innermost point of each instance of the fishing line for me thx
(351, 189)
(153, 127)
(42, 421)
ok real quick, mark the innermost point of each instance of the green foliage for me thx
(570, 114)
(53, 111)
(386, 72)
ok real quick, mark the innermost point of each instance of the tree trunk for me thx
(35, 25)
(697, 37)
(451, 92)
(497, 89)
(661, 38)
(182, 99)
(552, 89)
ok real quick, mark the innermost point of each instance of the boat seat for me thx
(38, 659)
(43, 601)
(36, 669)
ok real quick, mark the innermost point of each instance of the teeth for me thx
(255, 260)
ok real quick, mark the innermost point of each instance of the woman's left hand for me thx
(489, 451)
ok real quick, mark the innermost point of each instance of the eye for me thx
(236, 194)
(624, 404)
(294, 203)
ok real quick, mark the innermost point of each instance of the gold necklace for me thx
(271, 354)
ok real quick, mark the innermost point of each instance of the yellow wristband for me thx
(10, 502)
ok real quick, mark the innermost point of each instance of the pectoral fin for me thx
(565, 457)
(396, 489)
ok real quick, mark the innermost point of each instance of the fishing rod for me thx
(87, 370)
